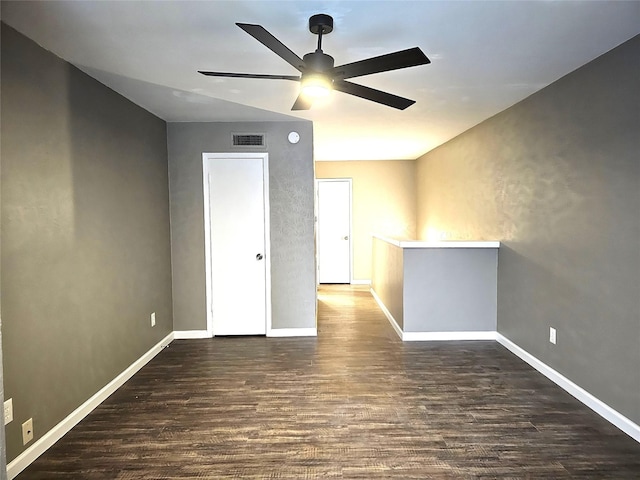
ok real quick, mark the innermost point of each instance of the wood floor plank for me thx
(353, 403)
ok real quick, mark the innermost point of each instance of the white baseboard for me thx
(293, 332)
(598, 406)
(447, 336)
(360, 282)
(274, 332)
(45, 442)
(605, 411)
(387, 314)
(430, 336)
(23, 460)
(191, 334)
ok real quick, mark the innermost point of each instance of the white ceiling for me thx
(486, 56)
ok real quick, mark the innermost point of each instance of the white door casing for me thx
(236, 201)
(334, 230)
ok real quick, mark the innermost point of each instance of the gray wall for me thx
(85, 235)
(556, 178)
(3, 449)
(450, 289)
(436, 289)
(291, 196)
(387, 277)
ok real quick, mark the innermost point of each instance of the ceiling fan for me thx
(318, 75)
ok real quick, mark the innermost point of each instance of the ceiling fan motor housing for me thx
(318, 61)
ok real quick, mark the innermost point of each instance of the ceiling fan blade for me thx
(302, 103)
(250, 75)
(272, 43)
(372, 94)
(391, 61)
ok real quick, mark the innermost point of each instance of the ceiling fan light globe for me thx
(316, 86)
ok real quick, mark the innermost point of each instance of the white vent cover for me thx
(248, 139)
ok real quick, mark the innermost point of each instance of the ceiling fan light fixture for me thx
(316, 85)
(319, 75)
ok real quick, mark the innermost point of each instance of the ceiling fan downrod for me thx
(320, 24)
(319, 61)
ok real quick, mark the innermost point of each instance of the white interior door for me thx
(237, 245)
(334, 231)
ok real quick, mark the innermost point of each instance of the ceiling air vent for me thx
(248, 140)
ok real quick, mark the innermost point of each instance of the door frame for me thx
(206, 157)
(317, 215)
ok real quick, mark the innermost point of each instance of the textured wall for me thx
(85, 235)
(556, 178)
(293, 288)
(387, 278)
(383, 203)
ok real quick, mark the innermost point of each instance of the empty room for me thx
(309, 239)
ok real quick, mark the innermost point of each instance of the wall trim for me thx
(387, 313)
(448, 336)
(595, 404)
(274, 332)
(45, 442)
(605, 411)
(191, 334)
(430, 336)
(293, 332)
(27, 457)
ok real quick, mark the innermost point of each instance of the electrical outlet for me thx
(27, 431)
(8, 411)
(153, 319)
(552, 335)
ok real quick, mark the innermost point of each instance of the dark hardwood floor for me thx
(355, 402)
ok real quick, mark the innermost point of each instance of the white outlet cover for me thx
(153, 319)
(27, 431)
(8, 411)
(552, 335)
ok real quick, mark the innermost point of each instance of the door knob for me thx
(259, 256)
(346, 237)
